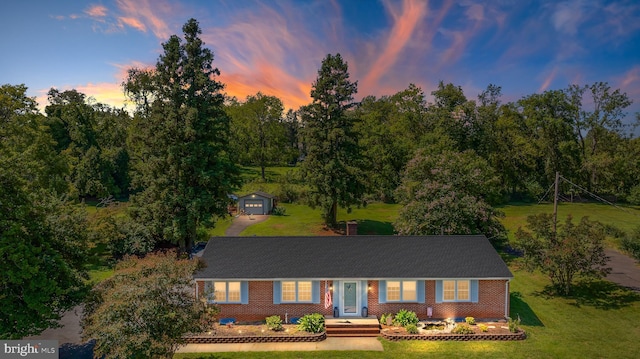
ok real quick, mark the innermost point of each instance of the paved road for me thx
(624, 270)
(69, 336)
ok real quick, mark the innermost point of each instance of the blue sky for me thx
(276, 46)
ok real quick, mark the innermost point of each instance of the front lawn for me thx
(599, 321)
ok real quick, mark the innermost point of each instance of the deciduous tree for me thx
(390, 130)
(145, 308)
(449, 193)
(260, 134)
(575, 251)
(42, 247)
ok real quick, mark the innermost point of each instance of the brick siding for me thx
(261, 305)
(491, 305)
(491, 295)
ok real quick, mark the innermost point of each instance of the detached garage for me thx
(256, 203)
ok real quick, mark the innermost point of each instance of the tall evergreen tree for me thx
(182, 167)
(333, 164)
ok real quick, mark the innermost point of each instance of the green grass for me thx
(599, 321)
(301, 220)
(626, 218)
(221, 226)
(252, 180)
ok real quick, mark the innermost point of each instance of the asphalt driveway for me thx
(243, 221)
(624, 270)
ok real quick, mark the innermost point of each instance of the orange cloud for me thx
(458, 44)
(547, 81)
(630, 77)
(270, 80)
(123, 69)
(107, 93)
(403, 28)
(143, 14)
(630, 83)
(96, 11)
(134, 23)
(266, 50)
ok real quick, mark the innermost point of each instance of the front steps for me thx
(352, 327)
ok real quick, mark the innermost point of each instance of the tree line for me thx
(176, 157)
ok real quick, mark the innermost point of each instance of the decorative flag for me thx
(327, 296)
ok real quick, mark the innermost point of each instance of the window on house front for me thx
(409, 291)
(456, 290)
(402, 291)
(299, 291)
(288, 291)
(304, 291)
(220, 291)
(449, 289)
(463, 290)
(393, 291)
(226, 292)
(233, 292)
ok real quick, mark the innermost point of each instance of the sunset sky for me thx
(276, 46)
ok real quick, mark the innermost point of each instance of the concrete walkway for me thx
(624, 270)
(332, 343)
(243, 221)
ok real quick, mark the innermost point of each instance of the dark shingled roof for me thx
(352, 257)
(259, 193)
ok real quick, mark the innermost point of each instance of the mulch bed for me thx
(259, 333)
(496, 331)
(254, 333)
(257, 328)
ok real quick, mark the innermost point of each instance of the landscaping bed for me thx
(254, 332)
(441, 330)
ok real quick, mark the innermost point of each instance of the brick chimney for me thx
(352, 228)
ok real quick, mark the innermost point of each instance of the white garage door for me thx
(253, 206)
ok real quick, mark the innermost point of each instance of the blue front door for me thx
(350, 295)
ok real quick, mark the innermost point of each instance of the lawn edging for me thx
(208, 339)
(520, 335)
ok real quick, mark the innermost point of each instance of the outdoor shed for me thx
(256, 203)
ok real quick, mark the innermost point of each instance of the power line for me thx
(598, 197)
(545, 195)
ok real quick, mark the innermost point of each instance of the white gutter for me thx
(506, 298)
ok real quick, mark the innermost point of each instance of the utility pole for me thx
(555, 206)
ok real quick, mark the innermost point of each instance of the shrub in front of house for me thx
(411, 328)
(312, 323)
(405, 317)
(463, 328)
(514, 325)
(274, 323)
(383, 318)
(483, 328)
(470, 320)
